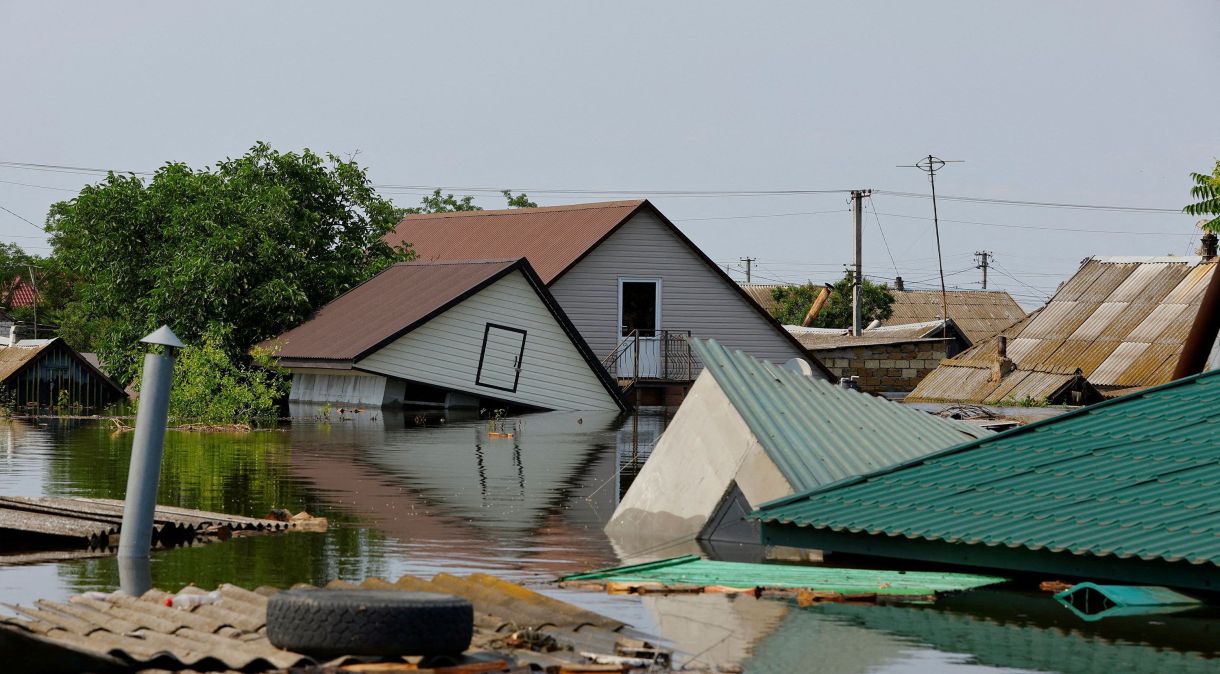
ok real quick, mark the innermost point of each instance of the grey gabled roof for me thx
(817, 433)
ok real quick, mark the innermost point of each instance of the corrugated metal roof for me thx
(1121, 321)
(383, 307)
(817, 433)
(552, 237)
(1129, 478)
(691, 570)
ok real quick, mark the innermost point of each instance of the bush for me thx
(210, 388)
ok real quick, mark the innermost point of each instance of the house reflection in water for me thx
(521, 493)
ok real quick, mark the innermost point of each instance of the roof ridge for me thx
(596, 205)
(440, 263)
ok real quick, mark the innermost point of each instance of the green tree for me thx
(793, 302)
(437, 202)
(518, 201)
(210, 387)
(244, 250)
(1207, 191)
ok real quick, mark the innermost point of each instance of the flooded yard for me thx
(526, 498)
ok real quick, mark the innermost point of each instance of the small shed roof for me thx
(817, 433)
(816, 339)
(553, 237)
(1129, 478)
(979, 313)
(386, 307)
(1122, 321)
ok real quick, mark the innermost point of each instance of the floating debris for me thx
(811, 584)
(1094, 602)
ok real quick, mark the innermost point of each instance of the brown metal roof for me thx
(979, 313)
(1120, 321)
(384, 307)
(553, 238)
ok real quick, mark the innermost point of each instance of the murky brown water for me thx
(526, 498)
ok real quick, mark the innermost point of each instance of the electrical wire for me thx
(1053, 229)
(1038, 204)
(21, 217)
(883, 239)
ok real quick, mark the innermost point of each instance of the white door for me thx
(639, 309)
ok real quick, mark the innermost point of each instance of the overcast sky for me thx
(1095, 103)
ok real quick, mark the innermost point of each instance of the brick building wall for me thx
(885, 368)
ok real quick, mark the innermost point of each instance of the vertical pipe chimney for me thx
(1208, 249)
(898, 283)
(1001, 346)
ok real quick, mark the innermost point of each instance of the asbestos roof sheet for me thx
(384, 307)
(817, 433)
(979, 313)
(827, 338)
(1129, 478)
(1121, 321)
(13, 358)
(552, 237)
(761, 293)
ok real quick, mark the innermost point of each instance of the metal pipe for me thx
(816, 307)
(144, 471)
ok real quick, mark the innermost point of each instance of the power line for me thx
(883, 239)
(22, 217)
(1052, 229)
(1039, 204)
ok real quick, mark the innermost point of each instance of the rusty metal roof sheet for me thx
(385, 306)
(1121, 321)
(552, 237)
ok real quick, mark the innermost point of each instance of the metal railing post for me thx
(636, 347)
(144, 471)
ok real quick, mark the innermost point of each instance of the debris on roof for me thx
(515, 627)
(1118, 323)
(817, 339)
(1121, 490)
(689, 572)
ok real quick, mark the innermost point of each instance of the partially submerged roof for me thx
(385, 307)
(1132, 478)
(552, 237)
(1122, 321)
(816, 339)
(979, 313)
(817, 433)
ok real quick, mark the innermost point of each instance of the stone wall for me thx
(885, 368)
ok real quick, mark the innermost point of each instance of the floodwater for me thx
(525, 498)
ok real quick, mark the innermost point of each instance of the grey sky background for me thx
(1098, 103)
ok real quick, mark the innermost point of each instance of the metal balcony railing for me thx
(663, 355)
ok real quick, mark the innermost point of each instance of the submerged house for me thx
(48, 372)
(887, 358)
(1118, 325)
(749, 432)
(634, 286)
(458, 334)
(1124, 490)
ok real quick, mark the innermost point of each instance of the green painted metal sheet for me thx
(817, 433)
(691, 570)
(1136, 478)
(1092, 602)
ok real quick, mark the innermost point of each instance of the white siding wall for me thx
(693, 297)
(445, 351)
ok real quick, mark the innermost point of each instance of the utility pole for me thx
(931, 165)
(857, 279)
(749, 265)
(983, 257)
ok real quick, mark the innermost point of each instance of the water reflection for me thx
(526, 497)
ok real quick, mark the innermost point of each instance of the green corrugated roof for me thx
(1133, 477)
(995, 643)
(817, 433)
(691, 570)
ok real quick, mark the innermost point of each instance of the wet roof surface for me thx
(1131, 478)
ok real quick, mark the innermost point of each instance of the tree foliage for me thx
(1207, 190)
(209, 386)
(793, 302)
(437, 202)
(242, 251)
